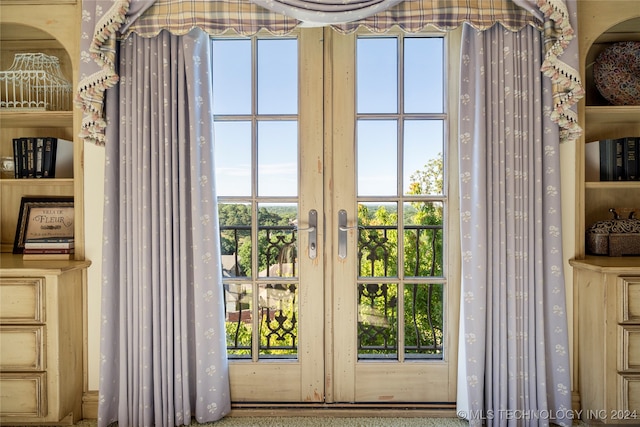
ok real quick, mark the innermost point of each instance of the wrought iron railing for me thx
(377, 258)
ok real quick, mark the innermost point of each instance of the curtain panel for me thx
(105, 20)
(149, 295)
(514, 350)
(163, 342)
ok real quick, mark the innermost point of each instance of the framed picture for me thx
(43, 218)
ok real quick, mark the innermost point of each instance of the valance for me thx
(109, 19)
(327, 11)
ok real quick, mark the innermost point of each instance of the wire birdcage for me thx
(35, 81)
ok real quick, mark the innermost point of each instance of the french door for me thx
(334, 207)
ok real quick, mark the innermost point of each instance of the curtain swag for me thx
(327, 11)
(118, 18)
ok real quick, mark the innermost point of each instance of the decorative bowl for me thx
(616, 72)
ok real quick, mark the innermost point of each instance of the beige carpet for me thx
(327, 422)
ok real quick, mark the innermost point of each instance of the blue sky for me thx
(377, 93)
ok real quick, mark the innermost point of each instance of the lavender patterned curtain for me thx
(513, 361)
(163, 357)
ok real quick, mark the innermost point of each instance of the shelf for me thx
(613, 185)
(14, 265)
(612, 114)
(35, 182)
(617, 265)
(35, 119)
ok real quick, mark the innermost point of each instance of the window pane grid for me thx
(257, 227)
(401, 235)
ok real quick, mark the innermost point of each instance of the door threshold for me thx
(347, 410)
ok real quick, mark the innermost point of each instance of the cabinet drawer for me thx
(631, 394)
(22, 348)
(630, 299)
(23, 394)
(22, 300)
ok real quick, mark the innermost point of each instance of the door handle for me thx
(312, 229)
(342, 233)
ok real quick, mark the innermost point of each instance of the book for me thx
(51, 240)
(630, 158)
(29, 244)
(607, 159)
(618, 159)
(24, 167)
(17, 165)
(47, 251)
(31, 169)
(618, 168)
(46, 257)
(43, 157)
(48, 157)
(39, 158)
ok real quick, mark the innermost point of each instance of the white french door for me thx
(338, 275)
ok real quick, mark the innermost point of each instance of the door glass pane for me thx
(235, 239)
(400, 231)
(277, 240)
(423, 162)
(377, 239)
(277, 158)
(233, 158)
(423, 239)
(423, 75)
(278, 320)
(377, 320)
(256, 152)
(377, 75)
(277, 76)
(231, 76)
(377, 152)
(238, 301)
(423, 319)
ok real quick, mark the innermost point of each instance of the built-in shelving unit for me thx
(41, 302)
(605, 288)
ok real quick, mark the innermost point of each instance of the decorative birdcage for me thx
(35, 81)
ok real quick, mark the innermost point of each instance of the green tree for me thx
(423, 245)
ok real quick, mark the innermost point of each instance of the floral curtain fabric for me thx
(159, 365)
(514, 351)
(163, 342)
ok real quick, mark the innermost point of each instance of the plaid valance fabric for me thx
(105, 20)
(247, 18)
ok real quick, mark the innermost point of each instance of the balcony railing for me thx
(276, 284)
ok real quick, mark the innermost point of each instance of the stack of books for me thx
(42, 157)
(48, 249)
(613, 160)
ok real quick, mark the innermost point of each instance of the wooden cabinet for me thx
(53, 29)
(41, 302)
(608, 339)
(598, 29)
(606, 290)
(41, 335)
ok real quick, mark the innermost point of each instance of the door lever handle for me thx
(312, 229)
(342, 233)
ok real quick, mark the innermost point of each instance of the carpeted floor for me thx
(327, 422)
(322, 422)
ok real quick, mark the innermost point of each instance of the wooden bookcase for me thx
(53, 29)
(605, 288)
(42, 314)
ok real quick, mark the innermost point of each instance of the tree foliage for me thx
(378, 246)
